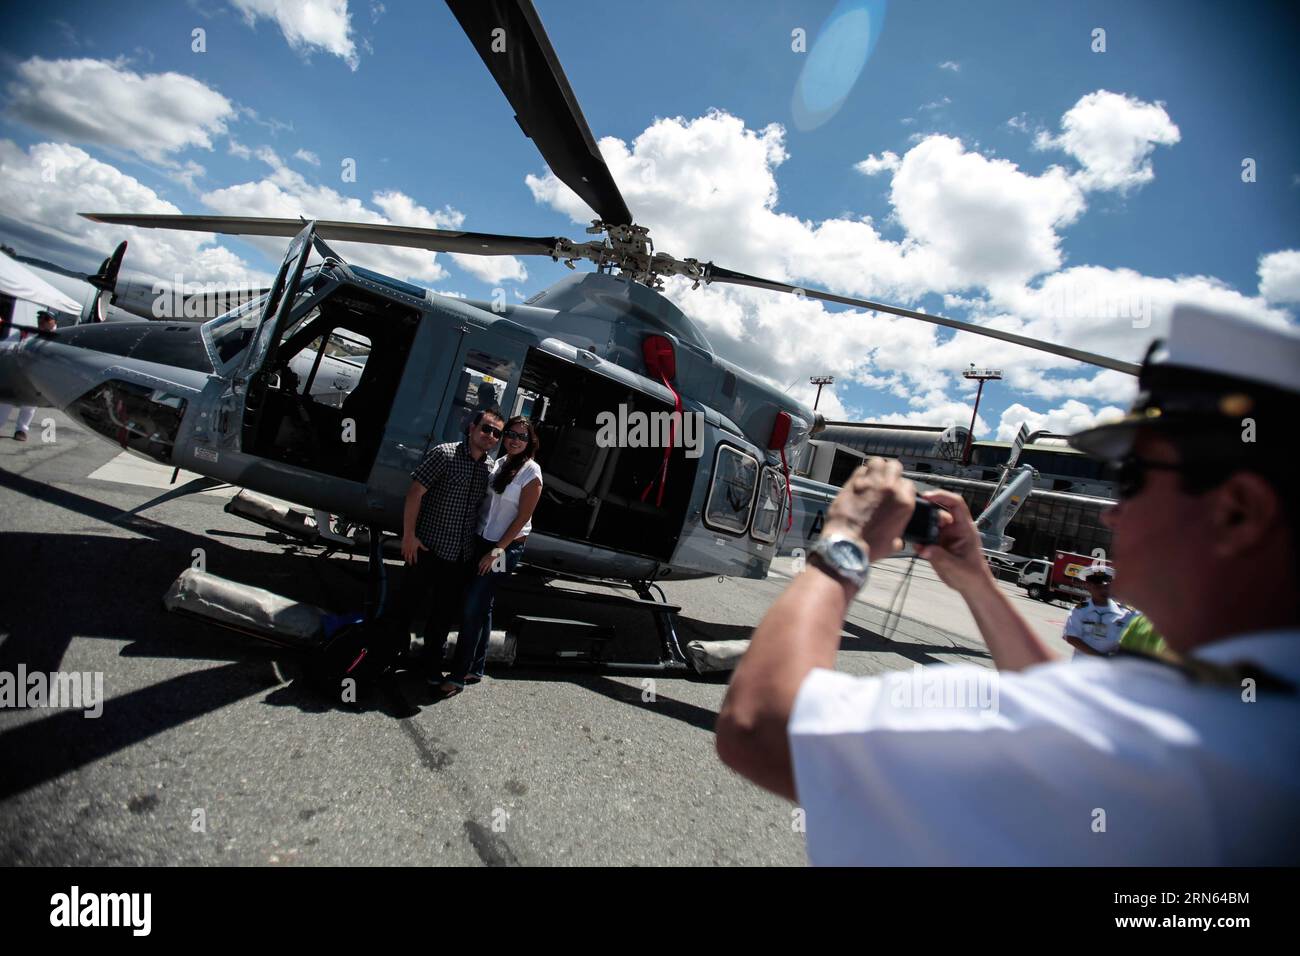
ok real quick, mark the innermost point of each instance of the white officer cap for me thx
(1213, 371)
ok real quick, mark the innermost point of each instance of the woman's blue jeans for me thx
(476, 620)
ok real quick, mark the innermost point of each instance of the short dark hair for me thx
(492, 410)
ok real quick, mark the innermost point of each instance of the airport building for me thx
(1063, 512)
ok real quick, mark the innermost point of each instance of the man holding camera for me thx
(1104, 761)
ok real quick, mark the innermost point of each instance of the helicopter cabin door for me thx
(258, 375)
(484, 375)
(319, 382)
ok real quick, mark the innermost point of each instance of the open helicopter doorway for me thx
(330, 384)
(594, 492)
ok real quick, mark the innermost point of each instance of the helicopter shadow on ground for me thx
(83, 584)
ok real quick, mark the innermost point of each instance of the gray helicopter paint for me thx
(60, 373)
(610, 316)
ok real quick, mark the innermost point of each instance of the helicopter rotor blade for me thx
(435, 240)
(714, 273)
(509, 36)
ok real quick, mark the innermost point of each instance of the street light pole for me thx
(819, 381)
(981, 375)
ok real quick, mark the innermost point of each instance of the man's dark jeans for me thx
(445, 583)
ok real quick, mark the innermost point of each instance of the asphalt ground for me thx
(211, 748)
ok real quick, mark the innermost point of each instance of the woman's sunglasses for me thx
(517, 436)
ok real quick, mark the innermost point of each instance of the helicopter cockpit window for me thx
(731, 494)
(482, 384)
(323, 400)
(231, 333)
(771, 502)
(330, 366)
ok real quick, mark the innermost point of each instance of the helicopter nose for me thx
(51, 372)
(131, 383)
(15, 386)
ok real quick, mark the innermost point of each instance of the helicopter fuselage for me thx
(332, 402)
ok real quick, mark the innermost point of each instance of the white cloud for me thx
(186, 173)
(952, 65)
(873, 164)
(307, 156)
(936, 104)
(984, 220)
(492, 269)
(707, 188)
(104, 102)
(1112, 136)
(286, 193)
(941, 414)
(979, 231)
(1118, 311)
(307, 24)
(1279, 276)
(1073, 416)
(239, 150)
(46, 187)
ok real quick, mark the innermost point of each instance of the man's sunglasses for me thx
(492, 430)
(1131, 474)
(517, 436)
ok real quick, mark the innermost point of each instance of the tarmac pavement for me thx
(210, 749)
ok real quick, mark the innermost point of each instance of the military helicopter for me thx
(227, 398)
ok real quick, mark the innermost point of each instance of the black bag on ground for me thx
(353, 650)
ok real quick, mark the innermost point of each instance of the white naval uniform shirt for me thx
(1098, 626)
(894, 770)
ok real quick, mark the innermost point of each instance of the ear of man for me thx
(1246, 514)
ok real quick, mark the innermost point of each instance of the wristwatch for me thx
(843, 557)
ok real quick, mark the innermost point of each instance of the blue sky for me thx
(398, 89)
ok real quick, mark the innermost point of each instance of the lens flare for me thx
(836, 61)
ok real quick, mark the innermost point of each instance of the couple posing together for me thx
(466, 519)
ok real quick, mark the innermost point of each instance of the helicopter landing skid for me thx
(671, 657)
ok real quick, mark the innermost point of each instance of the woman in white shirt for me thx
(503, 525)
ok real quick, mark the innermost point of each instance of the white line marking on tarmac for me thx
(127, 469)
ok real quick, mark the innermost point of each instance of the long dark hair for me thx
(510, 467)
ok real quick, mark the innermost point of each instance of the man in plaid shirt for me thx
(440, 519)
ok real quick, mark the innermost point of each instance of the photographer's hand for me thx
(874, 506)
(958, 559)
(958, 555)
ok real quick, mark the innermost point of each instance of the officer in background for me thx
(11, 336)
(1096, 626)
(1117, 761)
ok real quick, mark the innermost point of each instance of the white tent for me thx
(27, 287)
